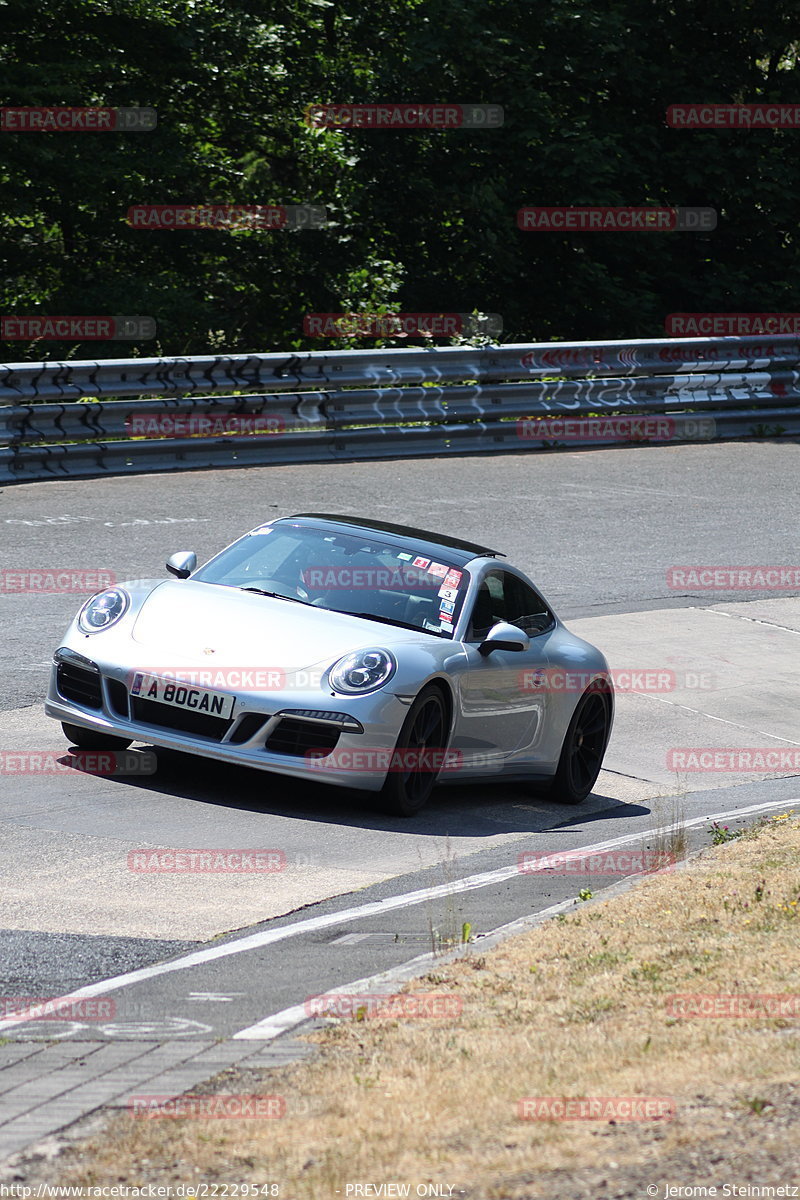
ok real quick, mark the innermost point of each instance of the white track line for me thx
(280, 1022)
(375, 908)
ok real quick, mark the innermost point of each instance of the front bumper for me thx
(343, 741)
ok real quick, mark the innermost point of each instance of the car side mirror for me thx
(182, 563)
(503, 636)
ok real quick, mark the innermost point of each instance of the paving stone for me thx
(17, 1075)
(173, 1083)
(51, 1087)
(279, 1055)
(66, 1050)
(154, 1063)
(14, 1051)
(13, 1142)
(226, 1053)
(31, 1092)
(25, 1130)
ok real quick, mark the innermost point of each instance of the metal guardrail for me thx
(78, 419)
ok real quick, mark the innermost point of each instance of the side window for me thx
(503, 597)
(525, 608)
(489, 606)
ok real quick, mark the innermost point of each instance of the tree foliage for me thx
(418, 221)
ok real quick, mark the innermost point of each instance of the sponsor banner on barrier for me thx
(732, 352)
(581, 356)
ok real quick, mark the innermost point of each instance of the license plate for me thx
(183, 695)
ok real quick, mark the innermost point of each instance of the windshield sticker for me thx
(437, 569)
(447, 606)
(405, 557)
(448, 593)
(453, 578)
(445, 618)
(422, 563)
(262, 529)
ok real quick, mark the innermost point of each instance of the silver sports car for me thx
(366, 655)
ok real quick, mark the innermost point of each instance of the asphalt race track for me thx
(363, 893)
(595, 529)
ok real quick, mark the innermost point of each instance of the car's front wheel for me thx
(583, 749)
(417, 757)
(90, 739)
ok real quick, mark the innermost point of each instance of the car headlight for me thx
(103, 610)
(362, 671)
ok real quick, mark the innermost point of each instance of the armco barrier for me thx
(75, 419)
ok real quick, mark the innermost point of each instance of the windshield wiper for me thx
(273, 595)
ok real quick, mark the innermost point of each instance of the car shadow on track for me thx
(470, 810)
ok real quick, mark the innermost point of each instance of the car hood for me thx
(188, 621)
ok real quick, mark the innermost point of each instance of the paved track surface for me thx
(598, 531)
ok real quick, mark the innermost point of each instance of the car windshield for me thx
(350, 572)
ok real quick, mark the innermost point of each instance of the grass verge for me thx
(578, 1007)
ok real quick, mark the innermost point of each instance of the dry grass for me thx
(669, 840)
(575, 1008)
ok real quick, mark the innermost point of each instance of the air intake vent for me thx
(247, 728)
(118, 695)
(297, 738)
(79, 685)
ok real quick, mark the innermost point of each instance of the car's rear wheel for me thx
(408, 783)
(583, 749)
(90, 739)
